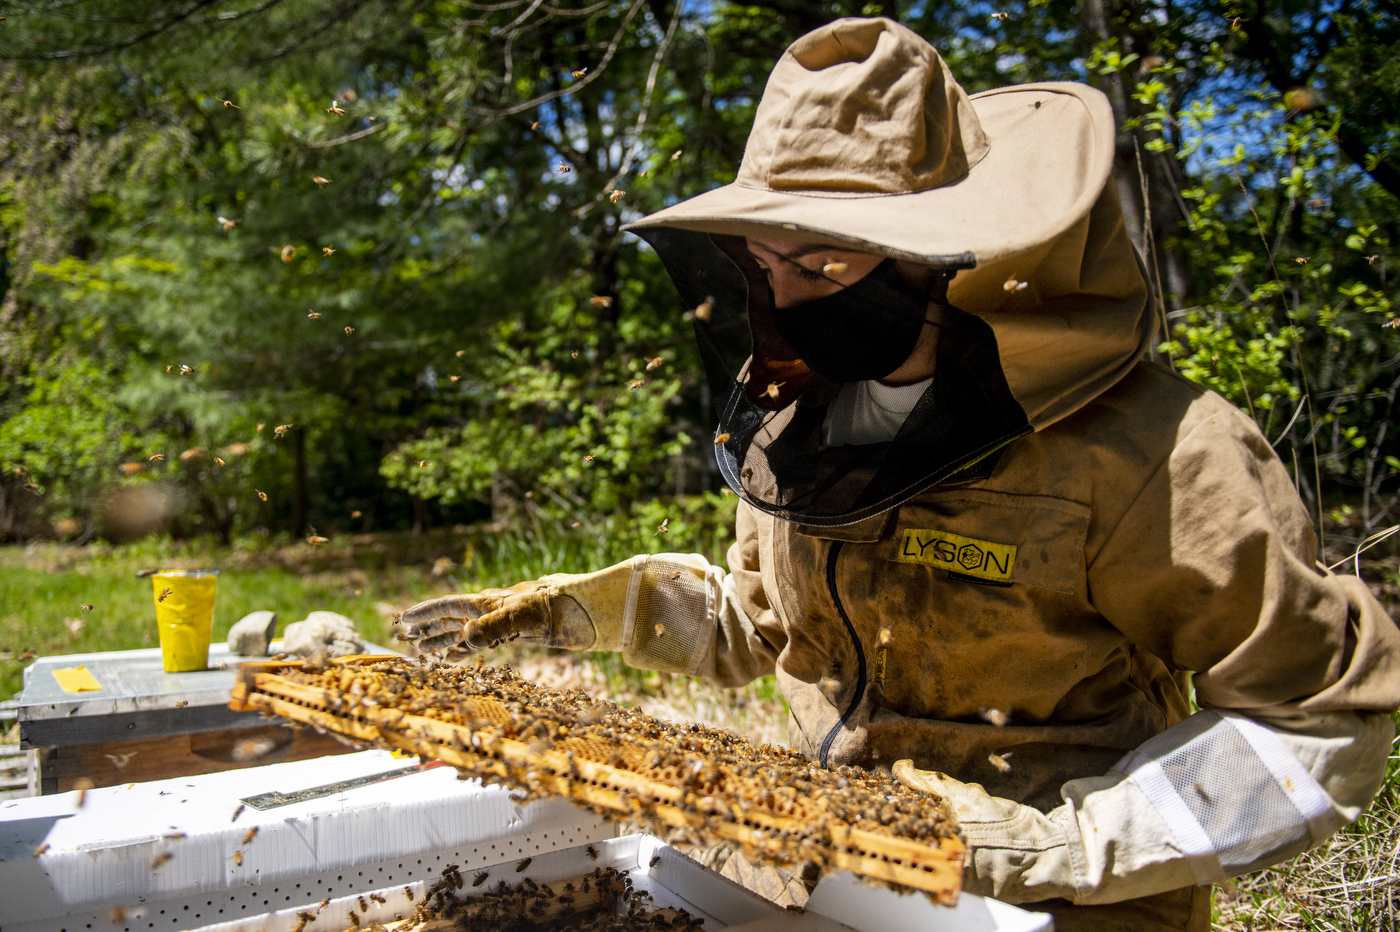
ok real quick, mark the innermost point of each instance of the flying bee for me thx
(535, 125)
(830, 687)
(886, 638)
(453, 378)
(565, 169)
(261, 494)
(480, 878)
(320, 181)
(522, 864)
(995, 716)
(1001, 17)
(191, 454)
(260, 427)
(39, 851)
(424, 464)
(227, 224)
(335, 108)
(654, 362)
(316, 540)
(218, 462)
(834, 268)
(238, 858)
(636, 383)
(573, 355)
(238, 812)
(131, 469)
(250, 835)
(32, 487)
(160, 860)
(229, 105)
(327, 250)
(655, 860)
(660, 629)
(186, 370)
(617, 196)
(772, 390)
(1301, 260)
(349, 330)
(313, 315)
(675, 156)
(163, 593)
(999, 761)
(87, 606)
(580, 73)
(120, 761)
(588, 457)
(704, 309)
(676, 574)
(1011, 284)
(182, 703)
(721, 438)
(355, 514)
(1372, 260)
(601, 302)
(175, 836)
(281, 429)
(408, 892)
(1393, 324)
(661, 528)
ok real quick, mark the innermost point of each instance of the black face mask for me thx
(864, 331)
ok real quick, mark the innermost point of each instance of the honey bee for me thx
(676, 574)
(260, 427)
(41, 850)
(995, 716)
(1301, 260)
(349, 330)
(327, 250)
(601, 302)
(335, 108)
(355, 514)
(480, 878)
(1393, 323)
(131, 469)
(238, 812)
(834, 268)
(535, 125)
(218, 462)
(642, 174)
(999, 761)
(522, 864)
(408, 892)
(617, 196)
(228, 104)
(313, 315)
(1000, 17)
(675, 156)
(160, 860)
(580, 73)
(238, 858)
(654, 362)
(660, 629)
(354, 918)
(886, 638)
(1011, 284)
(87, 606)
(316, 540)
(721, 438)
(1372, 260)
(227, 224)
(661, 528)
(250, 835)
(378, 898)
(174, 836)
(320, 181)
(191, 453)
(120, 760)
(636, 383)
(461, 353)
(163, 593)
(772, 390)
(565, 169)
(288, 252)
(261, 494)
(281, 429)
(424, 464)
(453, 378)
(575, 524)
(573, 354)
(182, 703)
(588, 457)
(655, 860)
(830, 687)
(704, 309)
(118, 913)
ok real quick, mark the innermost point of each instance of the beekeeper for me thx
(982, 540)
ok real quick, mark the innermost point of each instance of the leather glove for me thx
(573, 612)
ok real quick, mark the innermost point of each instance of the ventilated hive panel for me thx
(489, 723)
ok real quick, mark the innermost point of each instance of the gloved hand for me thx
(1217, 795)
(573, 612)
(653, 608)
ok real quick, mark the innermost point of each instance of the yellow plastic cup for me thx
(184, 615)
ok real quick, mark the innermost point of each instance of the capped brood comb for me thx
(489, 723)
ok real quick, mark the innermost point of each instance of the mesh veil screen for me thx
(671, 616)
(773, 456)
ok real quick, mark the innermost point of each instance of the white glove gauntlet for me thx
(1215, 796)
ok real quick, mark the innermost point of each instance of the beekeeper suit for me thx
(1039, 556)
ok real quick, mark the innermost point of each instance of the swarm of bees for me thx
(540, 742)
(601, 901)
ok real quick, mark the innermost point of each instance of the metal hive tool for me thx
(775, 803)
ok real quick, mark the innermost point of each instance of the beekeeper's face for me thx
(795, 270)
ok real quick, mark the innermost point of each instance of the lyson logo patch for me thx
(957, 554)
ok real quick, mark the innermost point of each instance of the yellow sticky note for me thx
(76, 679)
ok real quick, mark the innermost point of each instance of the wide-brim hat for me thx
(864, 138)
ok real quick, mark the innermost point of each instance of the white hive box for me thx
(391, 837)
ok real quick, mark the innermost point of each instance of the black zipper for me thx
(855, 642)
